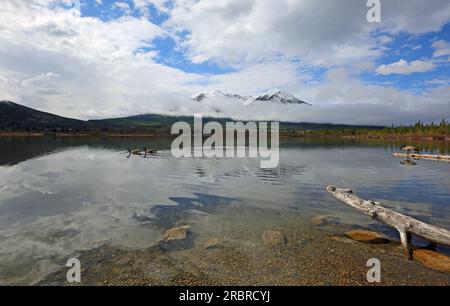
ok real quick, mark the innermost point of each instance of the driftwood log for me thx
(405, 225)
(423, 156)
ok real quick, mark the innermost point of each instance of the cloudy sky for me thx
(106, 58)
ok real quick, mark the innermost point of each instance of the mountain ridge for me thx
(11, 112)
(17, 117)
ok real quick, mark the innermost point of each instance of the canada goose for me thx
(150, 152)
(135, 152)
(143, 151)
(409, 149)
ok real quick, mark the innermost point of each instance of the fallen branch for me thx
(405, 225)
(445, 158)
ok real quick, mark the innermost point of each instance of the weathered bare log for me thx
(445, 158)
(405, 225)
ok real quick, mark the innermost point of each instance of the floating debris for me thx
(405, 225)
(445, 158)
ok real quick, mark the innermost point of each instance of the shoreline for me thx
(26, 134)
(369, 137)
(282, 135)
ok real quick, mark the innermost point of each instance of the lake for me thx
(62, 197)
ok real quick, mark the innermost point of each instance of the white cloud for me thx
(59, 61)
(344, 98)
(385, 39)
(123, 6)
(101, 73)
(438, 82)
(45, 83)
(405, 67)
(249, 30)
(414, 16)
(327, 32)
(442, 48)
(142, 5)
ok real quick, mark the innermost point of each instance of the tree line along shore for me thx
(420, 130)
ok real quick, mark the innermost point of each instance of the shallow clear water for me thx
(60, 196)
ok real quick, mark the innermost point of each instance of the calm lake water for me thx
(61, 196)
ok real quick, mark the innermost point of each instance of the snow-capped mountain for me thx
(278, 96)
(216, 94)
(272, 96)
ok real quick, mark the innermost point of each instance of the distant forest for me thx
(419, 129)
(288, 129)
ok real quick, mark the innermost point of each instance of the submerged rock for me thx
(342, 239)
(324, 220)
(177, 233)
(273, 238)
(367, 236)
(212, 243)
(177, 238)
(432, 260)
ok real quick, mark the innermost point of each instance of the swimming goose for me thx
(144, 152)
(135, 152)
